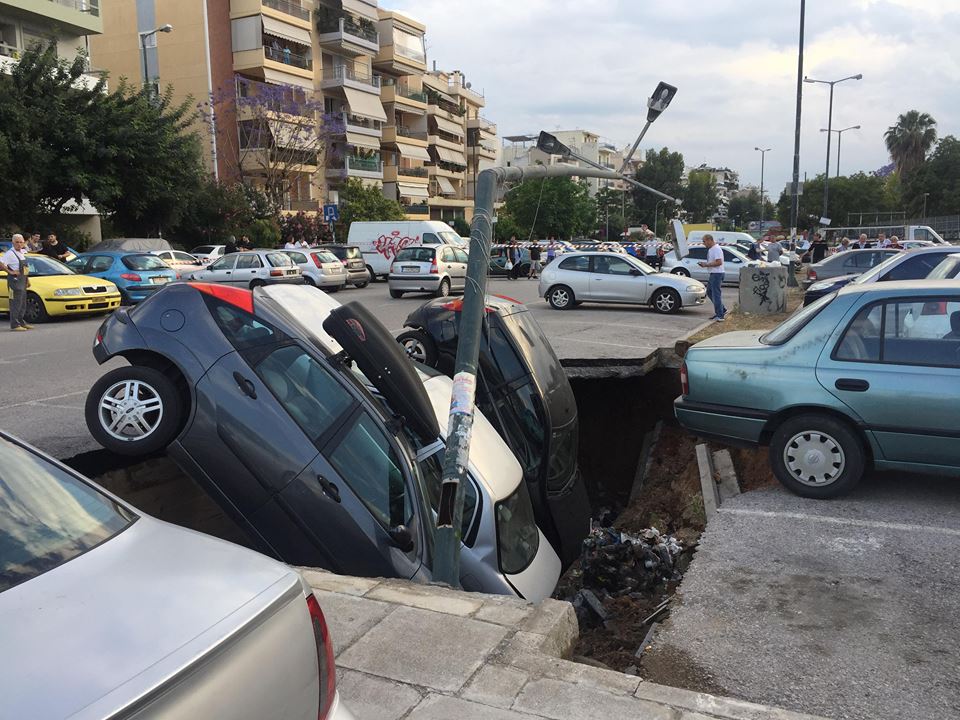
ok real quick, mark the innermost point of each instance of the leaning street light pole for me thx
(656, 104)
(763, 156)
(143, 47)
(446, 567)
(826, 172)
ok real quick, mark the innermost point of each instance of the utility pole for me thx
(826, 172)
(795, 198)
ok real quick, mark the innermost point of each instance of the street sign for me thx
(788, 190)
(331, 213)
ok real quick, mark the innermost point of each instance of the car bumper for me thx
(287, 280)
(695, 297)
(139, 293)
(414, 283)
(728, 423)
(331, 281)
(358, 275)
(81, 305)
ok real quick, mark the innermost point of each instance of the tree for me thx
(938, 178)
(746, 206)
(619, 205)
(365, 203)
(909, 141)
(662, 171)
(700, 198)
(556, 206)
(215, 211)
(849, 196)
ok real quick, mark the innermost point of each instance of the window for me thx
(577, 263)
(409, 45)
(431, 473)
(227, 262)
(307, 390)
(948, 268)
(367, 462)
(39, 267)
(165, 256)
(49, 516)
(279, 260)
(248, 262)
(450, 237)
(202, 250)
(79, 265)
(521, 413)
(611, 266)
(517, 536)
(300, 258)
(915, 267)
(509, 366)
(183, 257)
(430, 239)
(100, 263)
(446, 255)
(242, 329)
(730, 257)
(697, 253)
(459, 255)
(861, 341)
(415, 254)
(144, 262)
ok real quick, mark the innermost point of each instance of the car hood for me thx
(84, 639)
(675, 281)
(739, 338)
(54, 282)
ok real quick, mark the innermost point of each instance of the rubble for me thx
(621, 563)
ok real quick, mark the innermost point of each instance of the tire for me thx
(444, 289)
(817, 456)
(373, 275)
(361, 285)
(307, 280)
(396, 293)
(561, 297)
(254, 284)
(335, 288)
(419, 347)
(138, 386)
(666, 301)
(35, 311)
(681, 271)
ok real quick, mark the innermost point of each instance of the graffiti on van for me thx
(390, 245)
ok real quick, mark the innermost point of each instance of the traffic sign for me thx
(331, 213)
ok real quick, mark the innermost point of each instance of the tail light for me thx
(434, 269)
(276, 273)
(325, 663)
(811, 274)
(132, 277)
(684, 379)
(316, 260)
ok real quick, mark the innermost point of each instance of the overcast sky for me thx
(558, 64)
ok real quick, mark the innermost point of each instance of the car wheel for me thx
(361, 285)
(373, 275)
(444, 289)
(666, 301)
(816, 456)
(133, 410)
(396, 293)
(419, 346)
(256, 283)
(682, 271)
(35, 311)
(561, 298)
(307, 280)
(333, 289)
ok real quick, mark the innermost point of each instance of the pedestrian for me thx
(895, 243)
(714, 265)
(660, 254)
(535, 265)
(818, 250)
(516, 256)
(775, 250)
(862, 242)
(54, 249)
(844, 245)
(640, 250)
(14, 263)
(231, 246)
(882, 241)
(245, 243)
(754, 252)
(508, 253)
(290, 245)
(551, 250)
(33, 243)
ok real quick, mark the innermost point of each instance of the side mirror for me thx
(737, 261)
(636, 271)
(401, 537)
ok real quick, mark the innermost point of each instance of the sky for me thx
(558, 64)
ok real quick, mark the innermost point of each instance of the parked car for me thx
(178, 260)
(907, 265)
(137, 275)
(498, 261)
(437, 269)
(524, 392)
(688, 266)
(208, 253)
(848, 262)
(615, 278)
(320, 268)
(868, 376)
(309, 425)
(381, 241)
(106, 612)
(249, 269)
(352, 260)
(57, 291)
(948, 269)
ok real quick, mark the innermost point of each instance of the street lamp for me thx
(839, 138)
(143, 47)
(826, 174)
(763, 156)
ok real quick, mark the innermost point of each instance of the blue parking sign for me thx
(331, 213)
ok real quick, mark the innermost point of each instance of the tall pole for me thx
(143, 47)
(839, 138)
(763, 156)
(795, 200)
(826, 172)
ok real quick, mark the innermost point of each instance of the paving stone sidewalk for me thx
(422, 652)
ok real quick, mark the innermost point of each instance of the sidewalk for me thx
(430, 653)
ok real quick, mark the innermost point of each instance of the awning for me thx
(276, 77)
(272, 26)
(365, 104)
(449, 126)
(437, 85)
(302, 136)
(413, 152)
(413, 191)
(446, 187)
(364, 141)
(357, 7)
(450, 156)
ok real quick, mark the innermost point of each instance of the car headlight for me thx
(61, 292)
(694, 287)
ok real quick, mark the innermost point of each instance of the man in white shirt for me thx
(291, 245)
(714, 265)
(14, 263)
(774, 251)
(883, 241)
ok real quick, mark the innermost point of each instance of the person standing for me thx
(818, 250)
(862, 242)
(14, 263)
(882, 241)
(535, 265)
(551, 250)
(714, 265)
(516, 256)
(231, 246)
(54, 249)
(844, 245)
(775, 250)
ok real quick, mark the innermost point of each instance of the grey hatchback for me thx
(437, 269)
(848, 262)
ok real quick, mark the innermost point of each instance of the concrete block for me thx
(349, 617)
(727, 475)
(373, 698)
(711, 496)
(331, 582)
(496, 685)
(536, 664)
(441, 707)
(713, 706)
(557, 621)
(427, 597)
(562, 701)
(507, 612)
(763, 289)
(432, 649)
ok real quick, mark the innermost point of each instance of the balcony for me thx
(475, 98)
(288, 7)
(400, 133)
(399, 60)
(74, 17)
(346, 76)
(483, 125)
(482, 151)
(347, 36)
(356, 123)
(287, 56)
(394, 92)
(415, 212)
(270, 160)
(352, 166)
(310, 207)
(413, 175)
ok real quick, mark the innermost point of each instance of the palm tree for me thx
(909, 141)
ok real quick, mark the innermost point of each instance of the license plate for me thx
(291, 272)
(408, 269)
(159, 279)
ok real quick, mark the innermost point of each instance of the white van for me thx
(381, 241)
(722, 237)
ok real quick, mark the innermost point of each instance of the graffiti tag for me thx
(390, 245)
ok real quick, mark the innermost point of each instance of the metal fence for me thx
(947, 226)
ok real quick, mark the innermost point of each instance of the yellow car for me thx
(56, 290)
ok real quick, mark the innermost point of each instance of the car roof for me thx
(923, 250)
(904, 287)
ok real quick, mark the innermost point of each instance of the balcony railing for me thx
(301, 205)
(288, 7)
(358, 121)
(486, 124)
(347, 26)
(365, 164)
(419, 172)
(422, 209)
(406, 92)
(404, 131)
(345, 72)
(288, 57)
(85, 6)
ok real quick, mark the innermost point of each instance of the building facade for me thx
(727, 182)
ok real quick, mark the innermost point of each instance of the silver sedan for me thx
(108, 613)
(610, 277)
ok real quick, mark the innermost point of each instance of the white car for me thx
(180, 261)
(688, 266)
(320, 268)
(208, 253)
(250, 269)
(612, 277)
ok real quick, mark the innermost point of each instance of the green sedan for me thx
(867, 377)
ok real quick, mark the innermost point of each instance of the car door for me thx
(220, 271)
(614, 279)
(460, 263)
(731, 267)
(896, 364)
(574, 272)
(248, 269)
(691, 262)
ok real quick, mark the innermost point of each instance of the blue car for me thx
(137, 275)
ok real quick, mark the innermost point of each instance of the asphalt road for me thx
(847, 608)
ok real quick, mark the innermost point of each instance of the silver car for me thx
(612, 277)
(848, 262)
(437, 269)
(208, 253)
(320, 268)
(108, 613)
(250, 269)
(689, 266)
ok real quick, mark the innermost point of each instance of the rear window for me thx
(144, 262)
(796, 322)
(49, 516)
(280, 260)
(341, 252)
(327, 257)
(202, 250)
(417, 254)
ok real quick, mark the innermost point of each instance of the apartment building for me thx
(727, 182)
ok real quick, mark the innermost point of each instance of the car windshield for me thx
(451, 238)
(340, 252)
(948, 268)
(795, 323)
(45, 267)
(202, 250)
(563, 457)
(517, 536)
(49, 516)
(417, 254)
(642, 265)
(144, 262)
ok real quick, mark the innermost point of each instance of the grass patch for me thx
(737, 320)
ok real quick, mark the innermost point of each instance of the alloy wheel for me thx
(560, 298)
(130, 410)
(665, 302)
